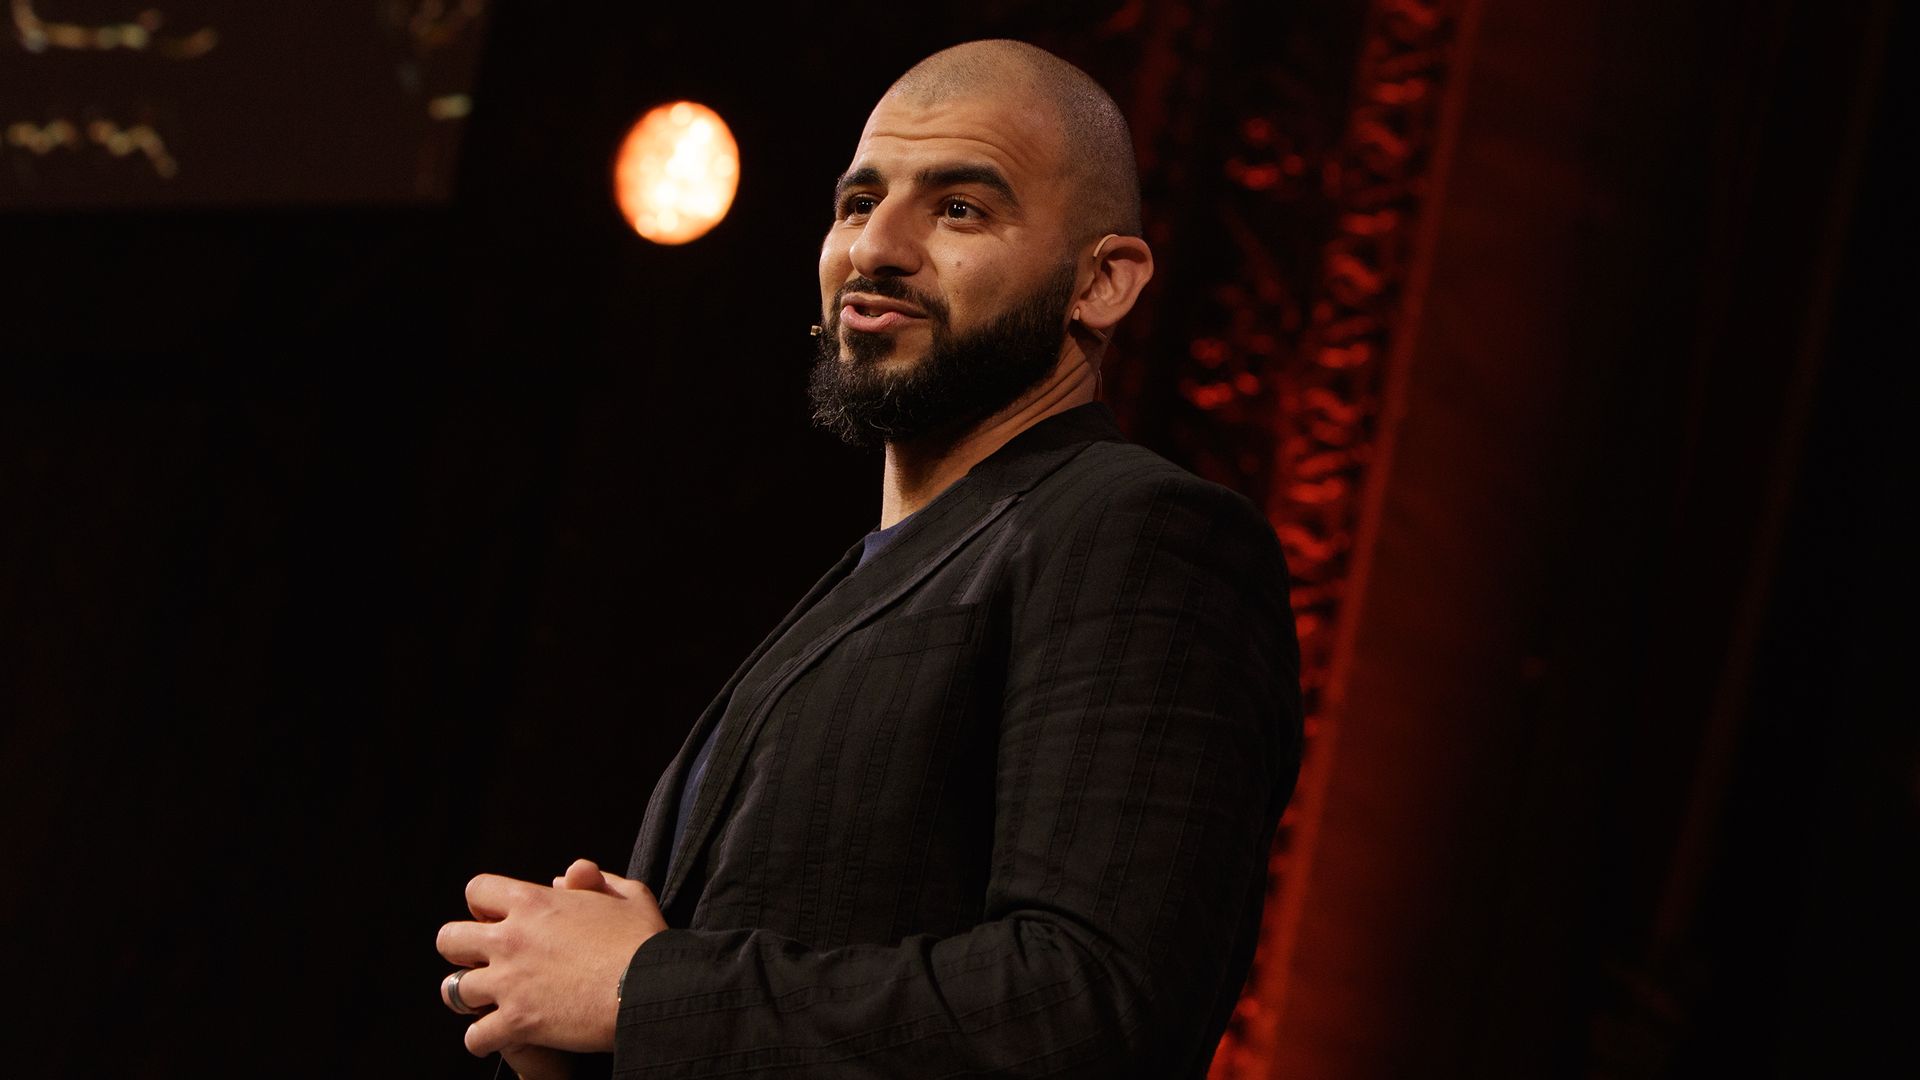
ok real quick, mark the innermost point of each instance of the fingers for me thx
(614, 884)
(584, 874)
(467, 944)
(537, 1063)
(540, 961)
(489, 1033)
(475, 987)
(490, 896)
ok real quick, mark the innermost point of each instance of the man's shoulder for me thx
(1124, 472)
(1111, 481)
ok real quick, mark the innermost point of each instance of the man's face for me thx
(946, 275)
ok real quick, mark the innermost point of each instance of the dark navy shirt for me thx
(876, 541)
(872, 544)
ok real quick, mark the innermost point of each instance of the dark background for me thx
(359, 534)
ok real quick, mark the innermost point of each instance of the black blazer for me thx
(999, 803)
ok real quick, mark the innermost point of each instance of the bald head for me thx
(1097, 147)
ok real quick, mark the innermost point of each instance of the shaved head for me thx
(969, 264)
(1098, 147)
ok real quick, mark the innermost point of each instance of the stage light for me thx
(676, 173)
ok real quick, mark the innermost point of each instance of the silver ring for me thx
(452, 986)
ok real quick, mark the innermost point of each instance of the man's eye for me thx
(858, 204)
(960, 210)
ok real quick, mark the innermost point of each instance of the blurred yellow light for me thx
(676, 173)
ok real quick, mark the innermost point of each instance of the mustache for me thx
(892, 289)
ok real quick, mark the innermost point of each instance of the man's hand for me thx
(547, 961)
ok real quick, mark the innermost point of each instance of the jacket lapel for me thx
(927, 540)
(656, 833)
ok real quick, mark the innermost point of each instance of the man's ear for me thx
(1122, 266)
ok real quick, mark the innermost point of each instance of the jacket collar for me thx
(1030, 456)
(1009, 472)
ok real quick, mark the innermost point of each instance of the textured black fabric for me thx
(870, 545)
(1000, 805)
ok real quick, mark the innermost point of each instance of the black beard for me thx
(962, 378)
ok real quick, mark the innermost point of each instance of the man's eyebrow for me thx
(985, 175)
(862, 177)
(934, 176)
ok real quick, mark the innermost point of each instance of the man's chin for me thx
(887, 351)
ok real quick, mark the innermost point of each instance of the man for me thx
(996, 797)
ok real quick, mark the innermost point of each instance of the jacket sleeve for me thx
(1150, 738)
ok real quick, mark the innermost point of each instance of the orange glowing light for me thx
(676, 173)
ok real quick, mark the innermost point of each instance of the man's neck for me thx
(917, 472)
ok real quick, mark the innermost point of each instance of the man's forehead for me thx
(994, 127)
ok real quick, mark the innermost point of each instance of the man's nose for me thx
(888, 244)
